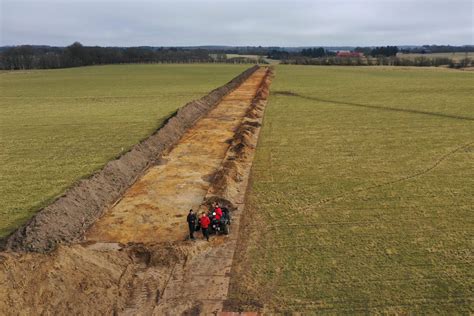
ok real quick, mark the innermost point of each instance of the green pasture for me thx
(361, 199)
(57, 126)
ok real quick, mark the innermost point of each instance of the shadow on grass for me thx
(376, 107)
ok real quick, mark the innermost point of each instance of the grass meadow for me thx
(362, 194)
(57, 126)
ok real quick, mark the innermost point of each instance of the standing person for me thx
(204, 222)
(191, 223)
(218, 211)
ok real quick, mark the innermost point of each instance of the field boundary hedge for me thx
(67, 218)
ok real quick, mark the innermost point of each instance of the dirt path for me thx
(136, 260)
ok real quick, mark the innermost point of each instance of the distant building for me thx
(347, 54)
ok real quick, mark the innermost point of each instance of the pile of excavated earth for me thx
(116, 242)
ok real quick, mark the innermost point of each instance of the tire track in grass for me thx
(377, 186)
(374, 107)
(402, 179)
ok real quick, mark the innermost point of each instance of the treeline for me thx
(45, 57)
(380, 61)
(244, 50)
(371, 56)
(377, 51)
(318, 52)
(425, 49)
(438, 49)
(382, 51)
(321, 52)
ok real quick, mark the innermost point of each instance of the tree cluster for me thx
(278, 54)
(364, 50)
(384, 51)
(380, 61)
(314, 52)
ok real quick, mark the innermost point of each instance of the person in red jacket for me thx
(204, 221)
(218, 212)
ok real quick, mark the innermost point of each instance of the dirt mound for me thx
(71, 274)
(67, 218)
(226, 180)
(76, 278)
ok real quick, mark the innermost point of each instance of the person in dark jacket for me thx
(204, 221)
(191, 223)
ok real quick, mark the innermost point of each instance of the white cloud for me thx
(232, 22)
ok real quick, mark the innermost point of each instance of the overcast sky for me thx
(236, 22)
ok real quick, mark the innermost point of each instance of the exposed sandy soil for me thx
(204, 280)
(154, 208)
(135, 260)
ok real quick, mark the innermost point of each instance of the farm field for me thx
(57, 126)
(362, 197)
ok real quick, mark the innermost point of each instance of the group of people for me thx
(203, 222)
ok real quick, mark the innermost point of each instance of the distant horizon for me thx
(240, 46)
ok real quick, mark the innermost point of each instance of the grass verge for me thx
(361, 200)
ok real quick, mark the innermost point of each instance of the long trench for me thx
(154, 209)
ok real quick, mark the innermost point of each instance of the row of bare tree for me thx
(45, 57)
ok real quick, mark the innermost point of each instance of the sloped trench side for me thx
(77, 280)
(67, 218)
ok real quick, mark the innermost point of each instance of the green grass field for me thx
(362, 194)
(57, 126)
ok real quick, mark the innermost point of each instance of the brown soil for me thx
(100, 280)
(204, 280)
(135, 260)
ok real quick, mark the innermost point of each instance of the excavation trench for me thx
(155, 207)
(135, 259)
